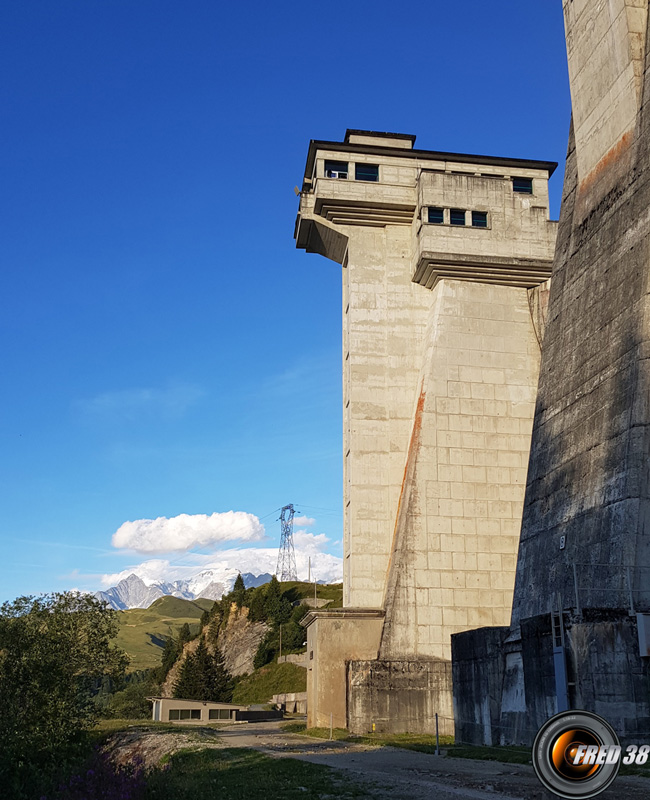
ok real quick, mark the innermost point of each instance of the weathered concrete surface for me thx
(440, 364)
(380, 232)
(399, 696)
(606, 44)
(291, 702)
(333, 638)
(456, 533)
(606, 675)
(584, 542)
(588, 476)
(478, 666)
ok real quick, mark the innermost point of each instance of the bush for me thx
(54, 651)
(131, 702)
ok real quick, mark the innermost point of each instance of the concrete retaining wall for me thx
(399, 696)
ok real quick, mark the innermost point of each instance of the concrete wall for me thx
(478, 666)
(587, 494)
(584, 546)
(294, 658)
(384, 321)
(334, 637)
(605, 672)
(291, 702)
(606, 54)
(440, 363)
(400, 696)
(462, 493)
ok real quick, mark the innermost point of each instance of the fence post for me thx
(437, 737)
(331, 727)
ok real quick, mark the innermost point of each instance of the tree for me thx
(272, 598)
(184, 635)
(222, 686)
(239, 591)
(171, 651)
(204, 676)
(187, 686)
(256, 608)
(54, 650)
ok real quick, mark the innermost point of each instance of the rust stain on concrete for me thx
(607, 161)
(414, 444)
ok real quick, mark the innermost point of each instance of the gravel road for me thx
(408, 775)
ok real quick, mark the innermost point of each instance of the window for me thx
(196, 713)
(174, 713)
(457, 216)
(436, 216)
(479, 219)
(366, 172)
(336, 169)
(219, 713)
(522, 185)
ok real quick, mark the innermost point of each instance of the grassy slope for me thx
(228, 773)
(332, 591)
(261, 685)
(143, 631)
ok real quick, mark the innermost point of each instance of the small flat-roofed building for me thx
(193, 712)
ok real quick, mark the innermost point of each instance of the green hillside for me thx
(143, 631)
(261, 685)
(297, 590)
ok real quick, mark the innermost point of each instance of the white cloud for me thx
(177, 534)
(310, 542)
(307, 522)
(324, 566)
(129, 404)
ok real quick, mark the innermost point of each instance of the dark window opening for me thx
(457, 216)
(522, 185)
(366, 172)
(336, 169)
(219, 713)
(479, 219)
(196, 713)
(436, 216)
(174, 713)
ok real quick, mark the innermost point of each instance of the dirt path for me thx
(408, 775)
(387, 772)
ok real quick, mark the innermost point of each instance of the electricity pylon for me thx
(286, 569)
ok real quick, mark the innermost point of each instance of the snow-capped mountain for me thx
(133, 592)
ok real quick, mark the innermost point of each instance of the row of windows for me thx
(370, 172)
(362, 172)
(195, 713)
(184, 713)
(457, 216)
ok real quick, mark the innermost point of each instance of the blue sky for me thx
(166, 350)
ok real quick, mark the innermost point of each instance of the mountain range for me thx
(134, 592)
